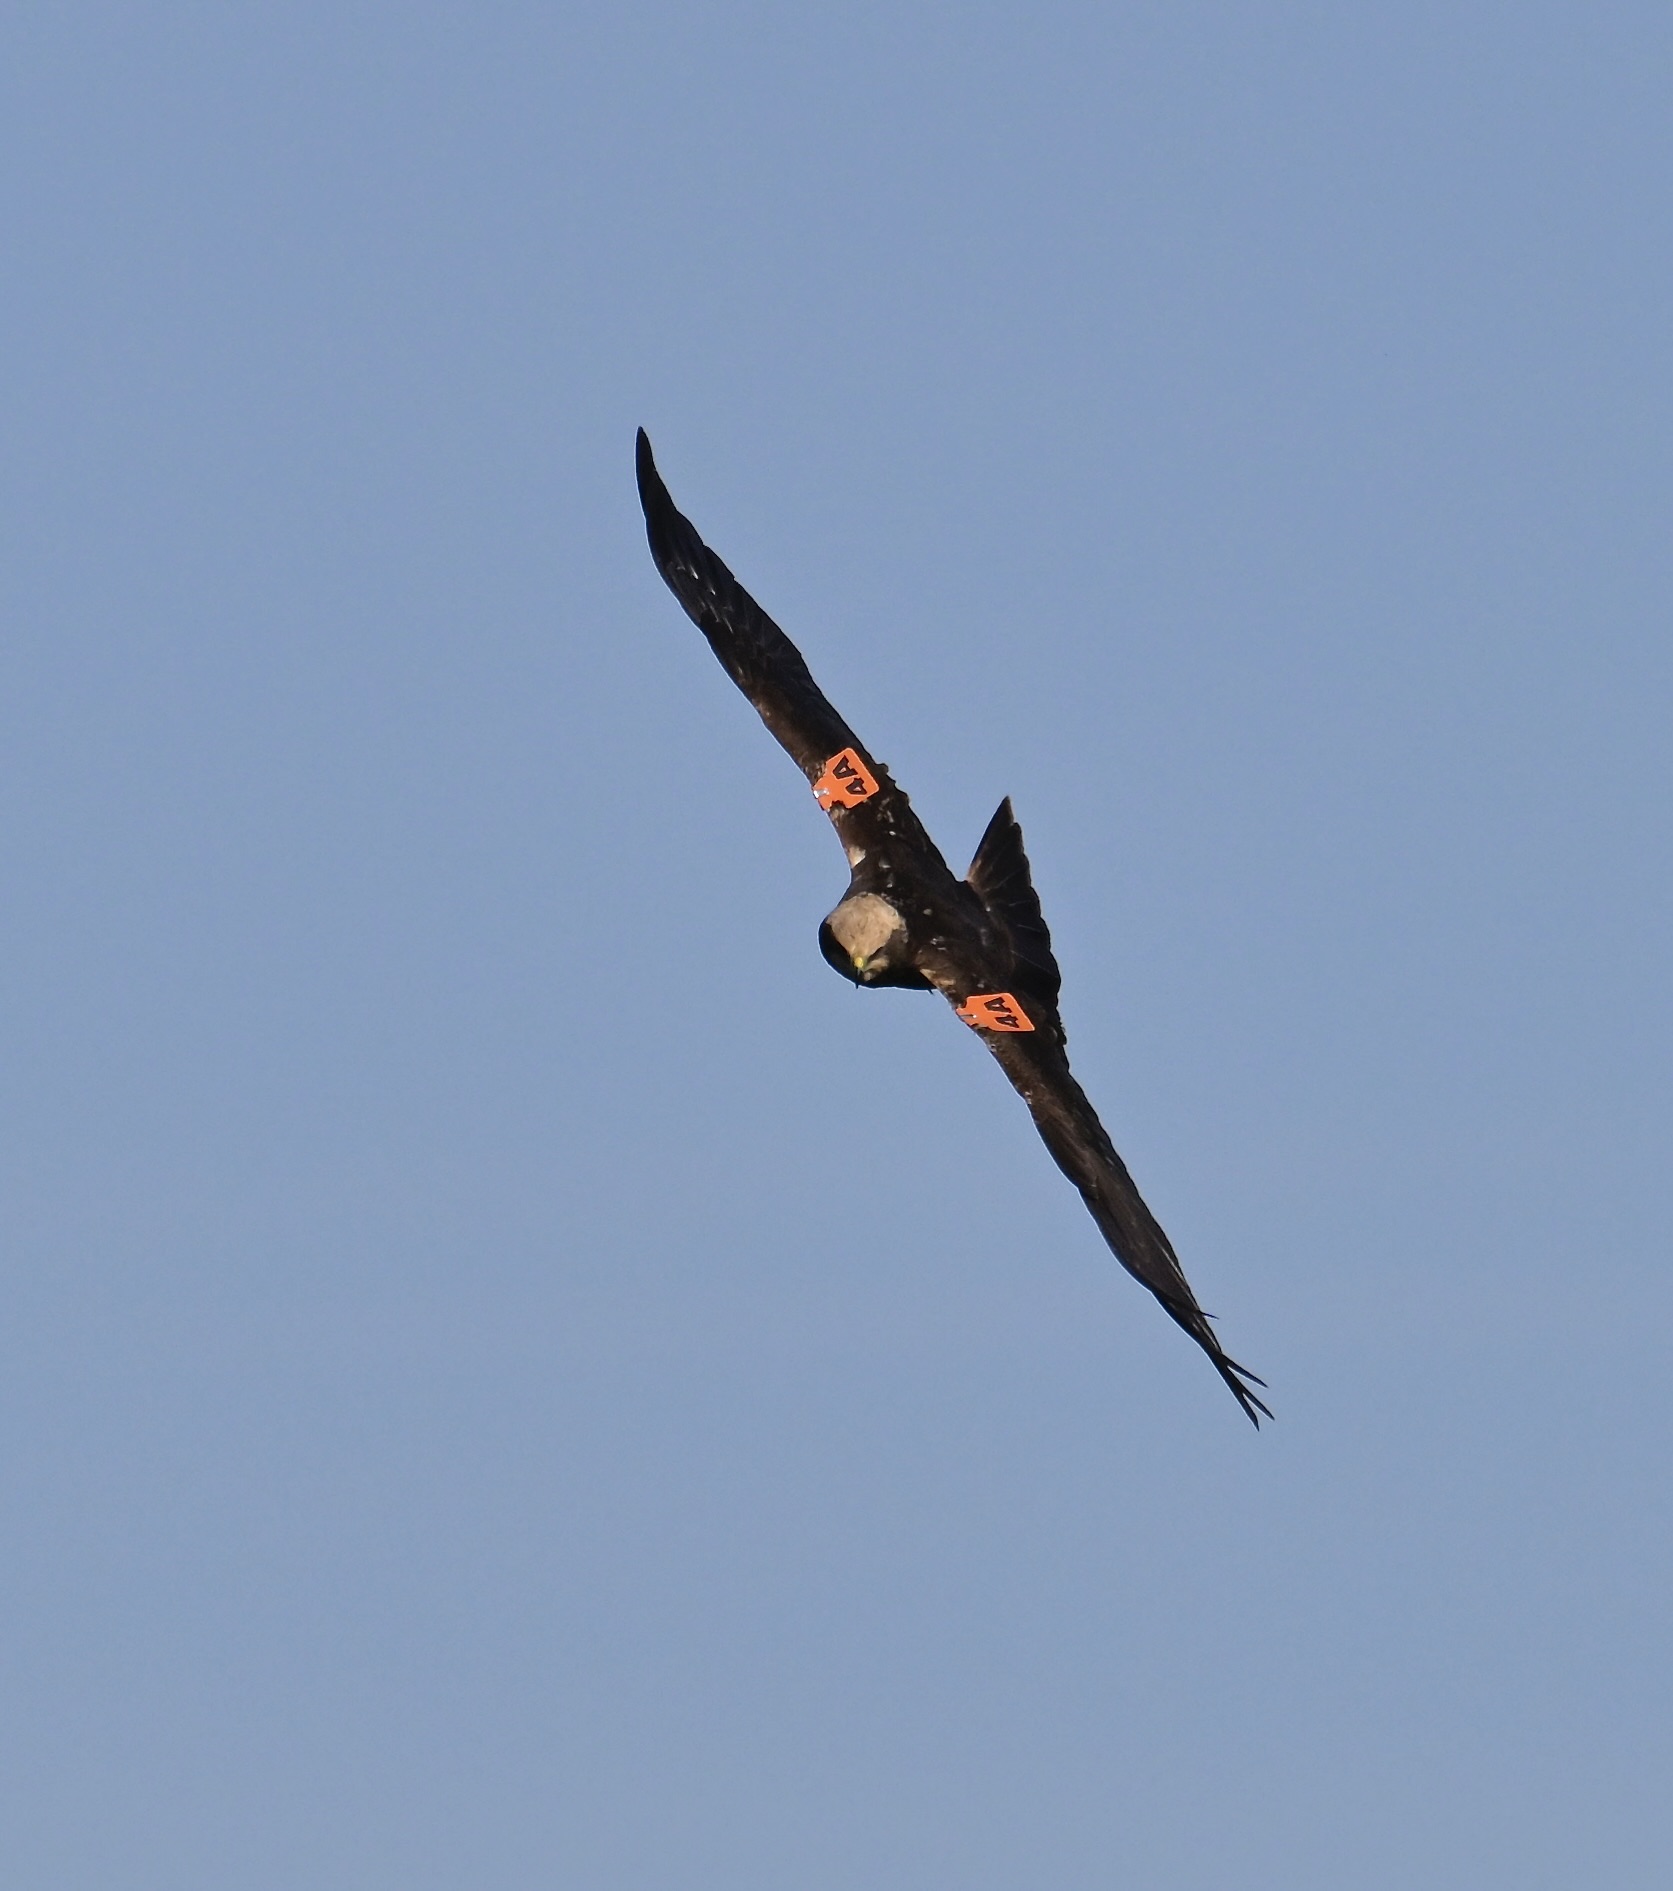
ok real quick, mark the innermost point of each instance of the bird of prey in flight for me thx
(905, 920)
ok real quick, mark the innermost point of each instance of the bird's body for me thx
(907, 920)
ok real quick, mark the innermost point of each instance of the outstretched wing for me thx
(755, 653)
(1036, 1064)
(854, 788)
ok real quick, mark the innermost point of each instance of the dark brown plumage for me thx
(906, 920)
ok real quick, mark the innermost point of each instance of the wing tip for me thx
(1254, 1409)
(668, 533)
(644, 467)
(1240, 1379)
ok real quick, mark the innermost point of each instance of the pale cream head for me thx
(866, 925)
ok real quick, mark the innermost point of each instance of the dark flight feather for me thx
(754, 652)
(770, 670)
(1000, 878)
(1069, 1127)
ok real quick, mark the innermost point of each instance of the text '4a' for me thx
(845, 783)
(994, 1011)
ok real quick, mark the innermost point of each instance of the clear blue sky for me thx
(511, 1374)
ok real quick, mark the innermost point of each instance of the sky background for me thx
(513, 1375)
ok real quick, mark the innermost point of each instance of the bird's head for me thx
(865, 940)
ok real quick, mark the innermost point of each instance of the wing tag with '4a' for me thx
(994, 1011)
(845, 783)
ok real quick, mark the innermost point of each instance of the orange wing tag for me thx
(994, 1011)
(845, 783)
